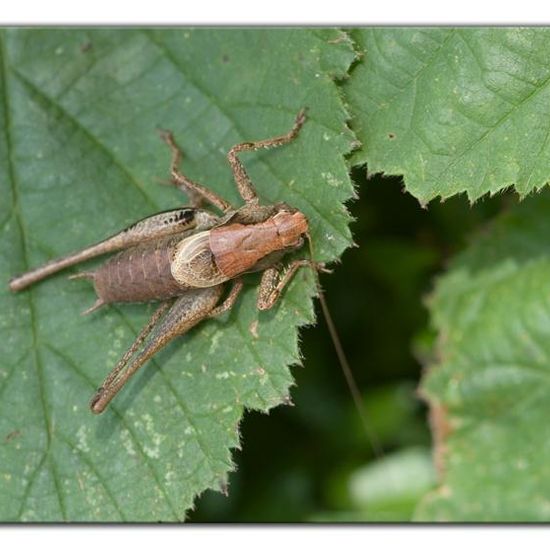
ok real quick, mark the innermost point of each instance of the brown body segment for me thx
(139, 274)
(237, 248)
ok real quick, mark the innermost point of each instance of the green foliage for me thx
(454, 110)
(488, 387)
(79, 156)
(389, 489)
(466, 111)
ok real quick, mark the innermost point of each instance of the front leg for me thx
(195, 191)
(274, 280)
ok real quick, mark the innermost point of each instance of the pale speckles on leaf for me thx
(180, 449)
(262, 375)
(127, 442)
(82, 439)
(148, 421)
(331, 179)
(169, 476)
(153, 436)
(215, 342)
(253, 328)
(117, 343)
(522, 464)
(152, 452)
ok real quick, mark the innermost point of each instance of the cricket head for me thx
(289, 227)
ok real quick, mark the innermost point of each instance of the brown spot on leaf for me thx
(12, 435)
(441, 429)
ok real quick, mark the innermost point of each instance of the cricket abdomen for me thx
(139, 274)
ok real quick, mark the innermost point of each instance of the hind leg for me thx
(187, 311)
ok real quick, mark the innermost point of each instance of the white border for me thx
(274, 12)
(281, 12)
(276, 538)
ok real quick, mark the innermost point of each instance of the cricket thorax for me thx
(237, 248)
(215, 256)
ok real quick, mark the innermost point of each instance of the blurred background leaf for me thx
(488, 384)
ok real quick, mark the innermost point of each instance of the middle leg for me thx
(195, 191)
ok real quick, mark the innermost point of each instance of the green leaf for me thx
(80, 158)
(488, 389)
(454, 110)
(388, 489)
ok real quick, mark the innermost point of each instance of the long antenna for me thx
(345, 366)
